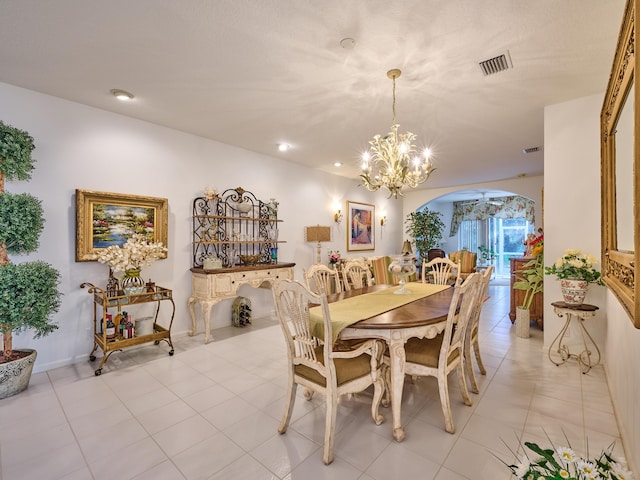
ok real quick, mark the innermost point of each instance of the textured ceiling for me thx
(254, 73)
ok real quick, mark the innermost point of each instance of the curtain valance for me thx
(512, 207)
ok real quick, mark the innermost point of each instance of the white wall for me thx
(572, 194)
(572, 220)
(79, 147)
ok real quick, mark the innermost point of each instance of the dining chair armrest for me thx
(368, 346)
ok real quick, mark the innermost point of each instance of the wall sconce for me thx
(383, 221)
(337, 217)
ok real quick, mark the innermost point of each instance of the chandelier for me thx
(392, 161)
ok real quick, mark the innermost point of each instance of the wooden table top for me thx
(421, 312)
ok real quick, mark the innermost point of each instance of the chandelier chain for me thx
(394, 102)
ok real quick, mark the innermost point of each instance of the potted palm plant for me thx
(29, 290)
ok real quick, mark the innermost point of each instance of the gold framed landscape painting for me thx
(360, 234)
(104, 219)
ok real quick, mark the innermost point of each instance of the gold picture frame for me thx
(360, 233)
(104, 219)
(620, 177)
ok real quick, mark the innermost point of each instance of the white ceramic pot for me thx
(523, 322)
(15, 375)
(573, 291)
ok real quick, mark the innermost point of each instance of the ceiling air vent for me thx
(530, 150)
(496, 64)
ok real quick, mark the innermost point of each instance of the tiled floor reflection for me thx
(211, 412)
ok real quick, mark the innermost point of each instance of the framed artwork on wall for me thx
(104, 219)
(360, 234)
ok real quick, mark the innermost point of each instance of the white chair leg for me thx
(463, 384)
(468, 366)
(330, 427)
(288, 409)
(476, 349)
(443, 389)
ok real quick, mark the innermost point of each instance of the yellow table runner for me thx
(351, 310)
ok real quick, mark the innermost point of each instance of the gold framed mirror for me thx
(620, 191)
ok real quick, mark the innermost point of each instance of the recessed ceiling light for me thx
(283, 147)
(122, 94)
(337, 164)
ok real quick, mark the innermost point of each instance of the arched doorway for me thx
(491, 223)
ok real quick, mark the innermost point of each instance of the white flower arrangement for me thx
(576, 265)
(563, 463)
(134, 254)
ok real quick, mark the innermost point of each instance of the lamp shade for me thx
(317, 234)
(406, 248)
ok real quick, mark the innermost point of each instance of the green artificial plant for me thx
(530, 279)
(425, 228)
(29, 292)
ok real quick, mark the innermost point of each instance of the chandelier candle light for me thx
(392, 161)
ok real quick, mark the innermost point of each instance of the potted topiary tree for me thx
(28, 291)
(424, 227)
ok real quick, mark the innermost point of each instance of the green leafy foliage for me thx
(28, 297)
(530, 279)
(562, 463)
(15, 153)
(21, 222)
(425, 229)
(29, 292)
(576, 265)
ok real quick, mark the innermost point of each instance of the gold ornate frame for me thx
(619, 268)
(86, 221)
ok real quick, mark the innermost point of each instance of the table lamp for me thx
(317, 234)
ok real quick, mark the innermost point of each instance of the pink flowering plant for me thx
(334, 257)
(562, 463)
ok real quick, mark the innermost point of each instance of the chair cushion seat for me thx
(426, 351)
(347, 369)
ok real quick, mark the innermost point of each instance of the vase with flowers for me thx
(136, 253)
(563, 462)
(575, 270)
(334, 258)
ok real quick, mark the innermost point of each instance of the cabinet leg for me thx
(192, 314)
(206, 317)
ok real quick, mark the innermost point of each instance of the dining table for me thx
(421, 315)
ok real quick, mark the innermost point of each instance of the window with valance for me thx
(514, 206)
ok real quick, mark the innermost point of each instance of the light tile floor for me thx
(211, 412)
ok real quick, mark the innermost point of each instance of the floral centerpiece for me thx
(136, 253)
(563, 463)
(334, 257)
(576, 271)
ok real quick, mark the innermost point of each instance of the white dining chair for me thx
(471, 338)
(322, 279)
(356, 274)
(441, 271)
(444, 354)
(313, 363)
